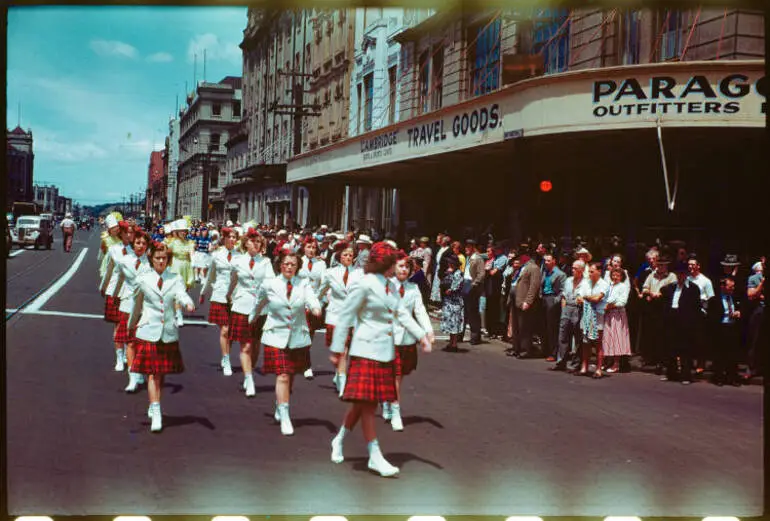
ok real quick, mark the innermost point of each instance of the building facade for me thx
(63, 206)
(204, 130)
(155, 205)
(46, 197)
(492, 103)
(20, 161)
(171, 165)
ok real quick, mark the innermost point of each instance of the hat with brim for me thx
(730, 260)
(664, 260)
(583, 251)
(111, 221)
(680, 267)
(364, 239)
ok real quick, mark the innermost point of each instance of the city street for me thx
(485, 434)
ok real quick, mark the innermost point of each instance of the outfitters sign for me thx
(665, 95)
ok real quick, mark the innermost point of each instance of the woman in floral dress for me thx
(452, 306)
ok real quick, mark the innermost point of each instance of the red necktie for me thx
(251, 263)
(229, 256)
(387, 288)
(309, 265)
(125, 251)
(288, 289)
(401, 291)
(345, 277)
(138, 263)
(160, 283)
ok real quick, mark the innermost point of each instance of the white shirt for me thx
(677, 294)
(592, 290)
(286, 324)
(110, 279)
(412, 301)
(68, 223)
(219, 274)
(706, 288)
(246, 281)
(334, 288)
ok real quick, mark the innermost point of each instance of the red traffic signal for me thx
(545, 186)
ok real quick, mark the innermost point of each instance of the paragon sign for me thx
(664, 95)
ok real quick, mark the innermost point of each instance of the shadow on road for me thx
(307, 422)
(399, 459)
(178, 421)
(322, 372)
(175, 388)
(412, 420)
(459, 350)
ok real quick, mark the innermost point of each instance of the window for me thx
(423, 75)
(393, 86)
(485, 58)
(214, 178)
(672, 35)
(369, 101)
(360, 104)
(236, 109)
(553, 44)
(437, 79)
(629, 48)
(216, 109)
(215, 140)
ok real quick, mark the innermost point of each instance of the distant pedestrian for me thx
(68, 231)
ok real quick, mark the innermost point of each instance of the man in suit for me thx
(682, 314)
(727, 318)
(551, 288)
(525, 319)
(473, 288)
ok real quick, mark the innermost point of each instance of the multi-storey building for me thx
(63, 206)
(493, 105)
(170, 166)
(155, 208)
(20, 161)
(204, 130)
(46, 196)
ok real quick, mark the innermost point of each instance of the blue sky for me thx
(97, 86)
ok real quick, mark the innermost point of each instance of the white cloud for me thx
(216, 50)
(160, 57)
(113, 48)
(51, 146)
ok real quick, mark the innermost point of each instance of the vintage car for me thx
(36, 230)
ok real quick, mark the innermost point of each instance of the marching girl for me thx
(157, 333)
(249, 272)
(110, 238)
(109, 286)
(286, 335)
(130, 267)
(373, 306)
(406, 343)
(218, 279)
(336, 285)
(313, 269)
(202, 255)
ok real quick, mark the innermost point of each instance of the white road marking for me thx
(11, 310)
(17, 252)
(40, 301)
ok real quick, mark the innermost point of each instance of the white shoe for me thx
(309, 373)
(335, 380)
(378, 463)
(120, 363)
(337, 456)
(133, 381)
(227, 369)
(287, 429)
(395, 420)
(157, 419)
(140, 379)
(341, 381)
(387, 414)
(125, 357)
(248, 384)
(149, 412)
(277, 414)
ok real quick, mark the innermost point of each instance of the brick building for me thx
(20, 159)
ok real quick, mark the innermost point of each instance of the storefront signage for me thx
(663, 95)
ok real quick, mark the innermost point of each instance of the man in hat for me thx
(68, 230)
(364, 244)
(473, 288)
(682, 313)
(653, 311)
(526, 294)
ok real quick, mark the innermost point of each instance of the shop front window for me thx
(485, 58)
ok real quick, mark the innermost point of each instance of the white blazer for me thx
(286, 324)
(218, 279)
(247, 281)
(376, 313)
(110, 279)
(127, 279)
(153, 313)
(333, 287)
(316, 275)
(412, 301)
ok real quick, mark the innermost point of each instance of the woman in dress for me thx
(336, 286)
(182, 250)
(312, 269)
(593, 299)
(130, 267)
(218, 280)
(286, 335)
(406, 343)
(373, 306)
(616, 340)
(452, 303)
(249, 272)
(157, 333)
(202, 254)
(109, 287)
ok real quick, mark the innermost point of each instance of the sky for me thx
(97, 86)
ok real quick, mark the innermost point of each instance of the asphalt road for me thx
(485, 434)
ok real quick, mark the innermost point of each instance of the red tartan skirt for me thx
(370, 381)
(285, 361)
(241, 331)
(157, 358)
(219, 314)
(330, 336)
(111, 309)
(406, 359)
(123, 335)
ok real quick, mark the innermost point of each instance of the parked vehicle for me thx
(34, 230)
